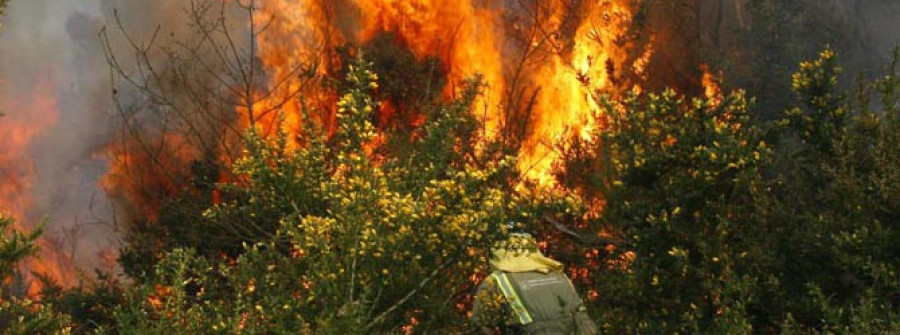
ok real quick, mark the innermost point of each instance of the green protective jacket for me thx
(530, 303)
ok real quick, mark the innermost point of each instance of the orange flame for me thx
(566, 105)
(462, 34)
(290, 45)
(467, 36)
(27, 117)
(147, 174)
(711, 88)
(581, 48)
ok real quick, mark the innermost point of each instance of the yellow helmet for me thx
(520, 253)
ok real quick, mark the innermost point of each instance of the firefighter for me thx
(527, 293)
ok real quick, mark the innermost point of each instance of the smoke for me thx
(877, 32)
(866, 31)
(56, 45)
(758, 44)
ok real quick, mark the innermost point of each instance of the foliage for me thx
(147, 241)
(383, 226)
(723, 233)
(681, 189)
(771, 44)
(727, 233)
(180, 99)
(14, 246)
(834, 206)
(190, 295)
(337, 240)
(771, 35)
(23, 315)
(90, 305)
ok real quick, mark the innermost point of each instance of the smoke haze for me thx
(51, 50)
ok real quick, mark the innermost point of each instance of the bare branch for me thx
(409, 295)
(582, 238)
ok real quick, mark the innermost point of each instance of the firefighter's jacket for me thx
(533, 302)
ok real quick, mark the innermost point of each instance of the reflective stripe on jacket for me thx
(544, 303)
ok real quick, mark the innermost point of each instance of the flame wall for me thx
(562, 50)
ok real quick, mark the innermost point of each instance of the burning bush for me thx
(339, 241)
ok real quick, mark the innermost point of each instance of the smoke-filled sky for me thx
(51, 48)
(878, 29)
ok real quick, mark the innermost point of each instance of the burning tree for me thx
(14, 246)
(18, 314)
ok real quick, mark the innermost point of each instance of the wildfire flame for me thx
(711, 88)
(149, 173)
(544, 63)
(557, 54)
(567, 105)
(27, 117)
(292, 44)
(463, 35)
(468, 37)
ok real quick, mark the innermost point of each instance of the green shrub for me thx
(681, 190)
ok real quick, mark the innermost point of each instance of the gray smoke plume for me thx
(877, 31)
(866, 31)
(759, 43)
(55, 44)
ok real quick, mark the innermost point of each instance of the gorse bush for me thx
(734, 229)
(682, 171)
(834, 205)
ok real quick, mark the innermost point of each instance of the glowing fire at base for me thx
(27, 117)
(711, 89)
